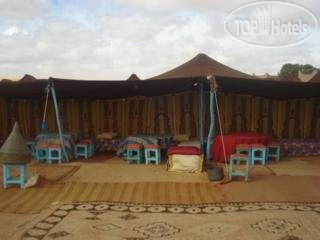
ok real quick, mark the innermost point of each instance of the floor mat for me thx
(298, 166)
(267, 221)
(33, 200)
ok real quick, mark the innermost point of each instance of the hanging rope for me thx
(221, 136)
(43, 123)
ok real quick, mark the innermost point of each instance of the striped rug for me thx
(33, 200)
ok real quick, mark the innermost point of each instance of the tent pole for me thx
(200, 110)
(53, 92)
(212, 125)
(213, 87)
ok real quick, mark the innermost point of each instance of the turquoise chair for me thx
(41, 154)
(273, 151)
(237, 160)
(152, 153)
(9, 179)
(258, 154)
(55, 154)
(134, 153)
(82, 150)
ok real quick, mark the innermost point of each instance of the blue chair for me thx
(152, 153)
(237, 160)
(41, 153)
(55, 154)
(9, 179)
(134, 153)
(273, 151)
(258, 153)
(82, 150)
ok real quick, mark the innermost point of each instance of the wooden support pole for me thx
(53, 92)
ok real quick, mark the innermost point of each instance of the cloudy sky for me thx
(110, 39)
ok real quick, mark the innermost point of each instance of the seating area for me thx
(148, 154)
(251, 154)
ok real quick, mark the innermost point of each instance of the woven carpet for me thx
(105, 220)
(33, 200)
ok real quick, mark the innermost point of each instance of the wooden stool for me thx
(41, 152)
(134, 153)
(237, 159)
(7, 177)
(82, 150)
(152, 153)
(258, 153)
(55, 153)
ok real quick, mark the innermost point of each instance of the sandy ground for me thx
(118, 170)
(290, 180)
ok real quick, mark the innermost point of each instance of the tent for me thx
(167, 103)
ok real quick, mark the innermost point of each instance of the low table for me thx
(233, 139)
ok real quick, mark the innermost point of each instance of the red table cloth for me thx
(232, 139)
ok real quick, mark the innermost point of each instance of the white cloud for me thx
(145, 37)
(11, 31)
(21, 10)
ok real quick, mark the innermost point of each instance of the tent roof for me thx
(133, 77)
(202, 66)
(66, 88)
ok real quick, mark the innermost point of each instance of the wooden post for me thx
(53, 92)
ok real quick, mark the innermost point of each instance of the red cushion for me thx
(257, 145)
(85, 141)
(273, 144)
(42, 145)
(133, 146)
(54, 145)
(243, 146)
(186, 150)
(151, 146)
(239, 156)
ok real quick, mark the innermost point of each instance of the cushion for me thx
(54, 145)
(42, 145)
(184, 150)
(85, 141)
(134, 146)
(257, 145)
(242, 146)
(190, 144)
(107, 135)
(181, 137)
(185, 163)
(151, 146)
(239, 156)
(274, 144)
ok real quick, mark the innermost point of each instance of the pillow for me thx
(107, 135)
(181, 137)
(184, 150)
(190, 144)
